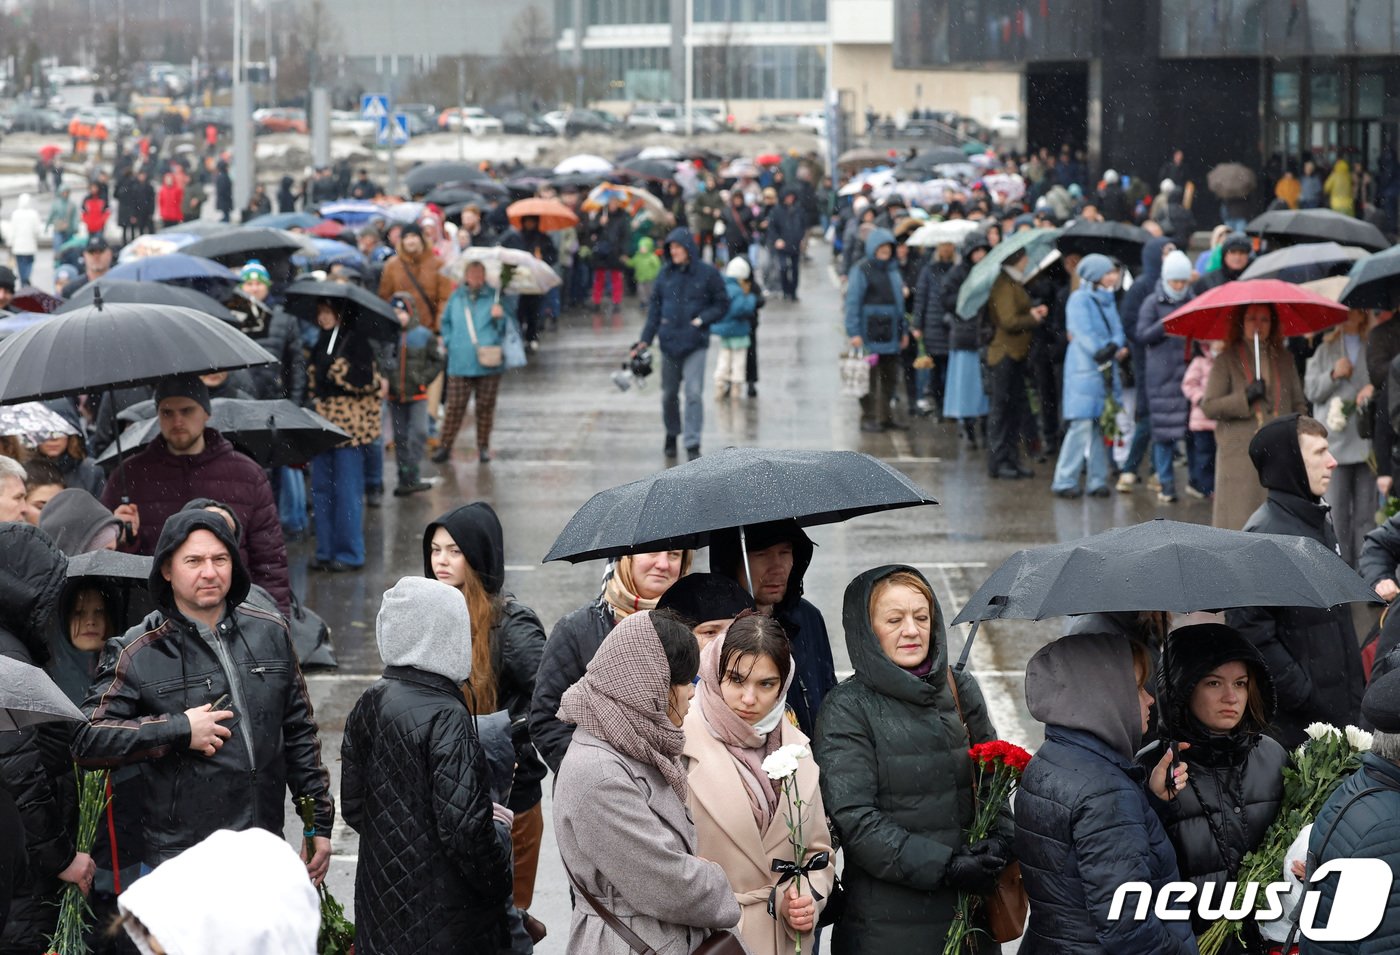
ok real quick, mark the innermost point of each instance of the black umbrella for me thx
(681, 506)
(421, 179)
(1374, 282)
(115, 291)
(360, 310)
(655, 169)
(103, 346)
(449, 194)
(122, 576)
(1164, 565)
(239, 245)
(29, 696)
(1289, 227)
(273, 433)
(1117, 240)
(201, 227)
(1305, 263)
(922, 163)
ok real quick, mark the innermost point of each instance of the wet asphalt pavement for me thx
(564, 431)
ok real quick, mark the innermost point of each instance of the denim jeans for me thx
(410, 420)
(25, 264)
(689, 370)
(1082, 440)
(291, 499)
(1200, 460)
(338, 490)
(789, 265)
(1163, 456)
(374, 460)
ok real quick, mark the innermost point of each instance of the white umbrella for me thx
(875, 178)
(658, 152)
(937, 233)
(33, 421)
(1005, 187)
(583, 162)
(531, 276)
(738, 169)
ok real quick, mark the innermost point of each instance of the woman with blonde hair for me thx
(1254, 380)
(1336, 377)
(741, 816)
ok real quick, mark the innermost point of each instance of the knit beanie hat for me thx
(1092, 268)
(1176, 267)
(184, 386)
(254, 270)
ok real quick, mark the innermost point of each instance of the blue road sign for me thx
(374, 106)
(398, 126)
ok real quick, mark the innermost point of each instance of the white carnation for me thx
(1358, 739)
(1319, 730)
(783, 762)
(1336, 417)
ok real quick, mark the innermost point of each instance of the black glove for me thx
(1105, 353)
(1254, 391)
(974, 869)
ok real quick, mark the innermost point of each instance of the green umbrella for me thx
(973, 295)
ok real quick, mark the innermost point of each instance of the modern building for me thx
(1130, 80)
(763, 56)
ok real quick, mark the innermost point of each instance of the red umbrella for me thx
(1298, 311)
(47, 152)
(32, 299)
(328, 229)
(768, 159)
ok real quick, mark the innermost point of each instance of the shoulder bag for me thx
(1008, 906)
(487, 356)
(722, 942)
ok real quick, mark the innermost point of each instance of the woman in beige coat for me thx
(740, 814)
(1241, 402)
(620, 816)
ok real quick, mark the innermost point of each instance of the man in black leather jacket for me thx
(207, 697)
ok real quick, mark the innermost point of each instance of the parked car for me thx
(1007, 126)
(427, 113)
(29, 119)
(473, 119)
(814, 120)
(572, 122)
(280, 119)
(108, 116)
(220, 117)
(519, 123)
(348, 122)
(669, 118)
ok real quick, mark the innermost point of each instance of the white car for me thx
(815, 120)
(473, 119)
(347, 122)
(1007, 126)
(669, 119)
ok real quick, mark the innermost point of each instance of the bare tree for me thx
(529, 69)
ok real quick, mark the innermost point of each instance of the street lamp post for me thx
(242, 116)
(689, 66)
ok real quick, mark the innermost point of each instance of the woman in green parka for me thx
(896, 778)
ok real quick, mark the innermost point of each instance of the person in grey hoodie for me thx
(78, 523)
(434, 871)
(1085, 823)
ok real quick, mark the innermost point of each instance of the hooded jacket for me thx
(788, 223)
(875, 299)
(1084, 825)
(414, 363)
(1091, 318)
(963, 334)
(31, 577)
(399, 276)
(801, 620)
(1311, 653)
(684, 293)
(517, 638)
(74, 518)
(415, 785)
(609, 241)
(1236, 779)
(897, 782)
(738, 319)
(160, 483)
(1144, 286)
(1166, 365)
(929, 317)
(25, 227)
(160, 668)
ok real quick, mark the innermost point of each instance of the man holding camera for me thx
(688, 298)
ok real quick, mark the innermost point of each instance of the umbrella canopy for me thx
(122, 576)
(740, 169)
(768, 159)
(422, 179)
(177, 267)
(1230, 180)
(331, 252)
(1165, 565)
(1005, 187)
(49, 150)
(633, 199)
(352, 211)
(112, 346)
(29, 696)
(360, 310)
(876, 179)
(238, 246)
(659, 152)
(161, 243)
(925, 160)
(31, 299)
(1117, 240)
(1306, 262)
(201, 228)
(146, 293)
(273, 433)
(584, 162)
(552, 213)
(1374, 282)
(33, 421)
(529, 276)
(938, 233)
(680, 506)
(329, 229)
(405, 211)
(859, 158)
(285, 220)
(449, 194)
(654, 169)
(1297, 310)
(974, 292)
(1290, 227)
(576, 180)
(1330, 288)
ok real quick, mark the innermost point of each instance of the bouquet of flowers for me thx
(1339, 412)
(337, 935)
(999, 767)
(74, 913)
(781, 767)
(924, 359)
(1318, 767)
(507, 276)
(1108, 418)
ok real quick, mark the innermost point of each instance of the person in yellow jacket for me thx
(1341, 189)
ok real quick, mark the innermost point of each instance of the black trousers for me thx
(1046, 376)
(1010, 413)
(528, 313)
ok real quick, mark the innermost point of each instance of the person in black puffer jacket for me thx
(1084, 824)
(929, 321)
(965, 395)
(1215, 694)
(434, 876)
(1312, 654)
(465, 549)
(31, 579)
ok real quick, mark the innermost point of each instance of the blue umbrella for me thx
(352, 211)
(331, 252)
(975, 290)
(286, 220)
(175, 267)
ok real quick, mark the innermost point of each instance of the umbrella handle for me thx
(967, 647)
(744, 550)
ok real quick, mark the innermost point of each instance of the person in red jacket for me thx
(190, 460)
(171, 200)
(96, 211)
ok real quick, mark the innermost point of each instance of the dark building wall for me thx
(1057, 105)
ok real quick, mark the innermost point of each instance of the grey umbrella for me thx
(1374, 282)
(1306, 262)
(1288, 227)
(28, 696)
(1164, 565)
(681, 506)
(273, 433)
(114, 291)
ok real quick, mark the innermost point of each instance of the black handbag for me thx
(311, 638)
